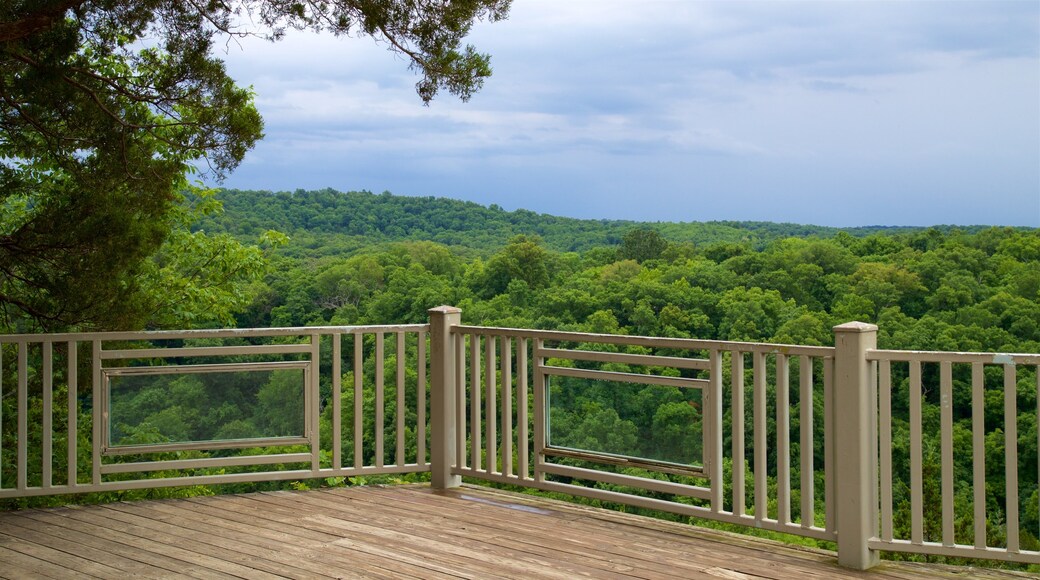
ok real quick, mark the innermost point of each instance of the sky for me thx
(830, 113)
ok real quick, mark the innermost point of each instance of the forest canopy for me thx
(363, 258)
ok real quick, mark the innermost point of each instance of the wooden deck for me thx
(397, 532)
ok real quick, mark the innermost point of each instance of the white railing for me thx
(95, 373)
(952, 384)
(492, 391)
(763, 427)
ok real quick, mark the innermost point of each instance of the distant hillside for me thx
(387, 217)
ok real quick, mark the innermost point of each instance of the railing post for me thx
(442, 396)
(855, 466)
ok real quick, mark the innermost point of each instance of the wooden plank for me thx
(61, 539)
(309, 524)
(400, 532)
(570, 541)
(17, 565)
(529, 547)
(280, 548)
(75, 566)
(196, 549)
(294, 532)
(671, 543)
(50, 522)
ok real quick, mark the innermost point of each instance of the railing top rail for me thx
(210, 333)
(957, 357)
(650, 341)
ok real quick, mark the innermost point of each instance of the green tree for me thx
(641, 245)
(107, 106)
(524, 259)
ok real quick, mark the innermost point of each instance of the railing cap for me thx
(445, 310)
(856, 327)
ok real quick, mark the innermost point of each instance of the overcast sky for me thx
(829, 113)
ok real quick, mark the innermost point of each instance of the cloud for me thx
(771, 107)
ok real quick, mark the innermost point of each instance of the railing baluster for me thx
(885, 459)
(400, 411)
(946, 422)
(312, 401)
(507, 406)
(73, 396)
(48, 414)
(1, 415)
(474, 402)
(98, 414)
(1011, 454)
(760, 436)
(337, 403)
(460, 400)
(359, 400)
(490, 410)
(828, 442)
(783, 439)
(713, 418)
(805, 432)
(380, 411)
(541, 410)
(23, 413)
(521, 408)
(916, 495)
(978, 451)
(872, 382)
(737, 415)
(420, 400)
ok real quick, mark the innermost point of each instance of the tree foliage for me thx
(107, 107)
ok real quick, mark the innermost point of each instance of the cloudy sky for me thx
(829, 113)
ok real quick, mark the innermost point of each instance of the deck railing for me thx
(796, 439)
(916, 388)
(81, 443)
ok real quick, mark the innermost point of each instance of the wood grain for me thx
(406, 531)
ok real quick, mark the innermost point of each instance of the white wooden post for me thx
(855, 465)
(442, 396)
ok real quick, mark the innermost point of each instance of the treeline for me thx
(941, 289)
(342, 218)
